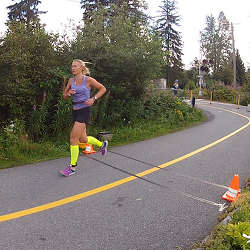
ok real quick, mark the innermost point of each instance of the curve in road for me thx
(86, 194)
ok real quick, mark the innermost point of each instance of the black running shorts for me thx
(81, 115)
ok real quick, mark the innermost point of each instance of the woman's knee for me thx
(78, 135)
(83, 139)
(73, 140)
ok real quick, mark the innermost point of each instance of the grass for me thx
(147, 130)
(230, 236)
(24, 152)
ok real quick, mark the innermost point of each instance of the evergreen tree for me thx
(134, 8)
(225, 73)
(248, 76)
(246, 86)
(216, 42)
(172, 42)
(240, 70)
(25, 11)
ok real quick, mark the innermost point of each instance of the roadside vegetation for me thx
(157, 115)
(224, 94)
(230, 235)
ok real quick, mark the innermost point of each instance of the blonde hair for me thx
(85, 70)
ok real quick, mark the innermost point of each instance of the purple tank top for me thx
(82, 94)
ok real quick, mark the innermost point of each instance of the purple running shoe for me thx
(104, 148)
(68, 171)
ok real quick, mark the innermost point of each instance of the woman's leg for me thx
(92, 140)
(78, 131)
(103, 145)
(82, 137)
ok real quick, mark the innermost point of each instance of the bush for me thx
(37, 127)
(63, 116)
(234, 235)
(246, 87)
(190, 85)
(245, 100)
(10, 135)
(17, 149)
(224, 94)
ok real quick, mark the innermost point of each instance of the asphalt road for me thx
(140, 196)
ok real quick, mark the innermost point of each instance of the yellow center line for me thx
(94, 191)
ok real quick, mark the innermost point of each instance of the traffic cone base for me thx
(89, 149)
(231, 195)
(233, 192)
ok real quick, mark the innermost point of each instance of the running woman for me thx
(79, 87)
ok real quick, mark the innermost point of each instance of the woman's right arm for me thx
(67, 91)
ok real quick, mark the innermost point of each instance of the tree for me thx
(216, 42)
(26, 59)
(248, 75)
(246, 86)
(132, 8)
(172, 42)
(124, 56)
(225, 73)
(191, 75)
(240, 69)
(25, 11)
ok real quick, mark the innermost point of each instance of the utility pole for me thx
(234, 56)
(200, 74)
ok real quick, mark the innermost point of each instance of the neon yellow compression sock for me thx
(92, 140)
(74, 152)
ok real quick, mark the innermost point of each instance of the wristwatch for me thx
(95, 98)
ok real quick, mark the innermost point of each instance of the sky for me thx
(192, 12)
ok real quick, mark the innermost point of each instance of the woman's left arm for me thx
(92, 83)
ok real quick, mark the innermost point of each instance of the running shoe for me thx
(104, 148)
(68, 171)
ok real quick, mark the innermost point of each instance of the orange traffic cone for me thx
(89, 149)
(82, 145)
(233, 191)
